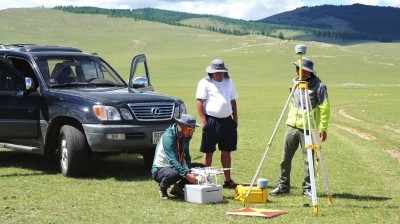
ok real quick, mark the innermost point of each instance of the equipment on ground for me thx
(206, 190)
(203, 193)
(204, 174)
(260, 212)
(257, 194)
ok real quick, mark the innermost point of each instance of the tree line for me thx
(224, 25)
(347, 22)
(298, 20)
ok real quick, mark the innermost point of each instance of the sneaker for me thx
(279, 191)
(307, 193)
(163, 194)
(177, 190)
(230, 184)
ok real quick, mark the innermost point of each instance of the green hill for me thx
(321, 23)
(347, 22)
(361, 152)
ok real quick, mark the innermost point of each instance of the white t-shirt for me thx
(217, 96)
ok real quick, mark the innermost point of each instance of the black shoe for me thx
(307, 193)
(163, 194)
(230, 184)
(177, 190)
(279, 191)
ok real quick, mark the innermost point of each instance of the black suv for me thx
(60, 99)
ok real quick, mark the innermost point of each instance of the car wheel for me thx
(73, 151)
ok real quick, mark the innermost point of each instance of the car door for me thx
(139, 77)
(19, 109)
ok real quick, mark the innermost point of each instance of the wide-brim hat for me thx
(217, 65)
(187, 119)
(307, 65)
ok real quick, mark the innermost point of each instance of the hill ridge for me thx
(327, 21)
(355, 21)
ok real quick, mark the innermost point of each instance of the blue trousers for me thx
(167, 176)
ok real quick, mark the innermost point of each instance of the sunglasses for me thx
(189, 128)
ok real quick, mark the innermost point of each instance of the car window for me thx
(24, 68)
(10, 79)
(77, 70)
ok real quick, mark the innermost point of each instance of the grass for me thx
(362, 80)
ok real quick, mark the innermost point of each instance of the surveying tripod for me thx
(311, 138)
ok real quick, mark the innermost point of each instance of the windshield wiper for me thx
(108, 85)
(72, 84)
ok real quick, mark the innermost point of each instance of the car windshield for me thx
(67, 71)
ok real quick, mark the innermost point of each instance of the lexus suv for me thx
(57, 99)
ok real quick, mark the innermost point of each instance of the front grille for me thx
(157, 111)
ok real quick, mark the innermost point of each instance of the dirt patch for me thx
(356, 132)
(391, 128)
(394, 153)
(344, 114)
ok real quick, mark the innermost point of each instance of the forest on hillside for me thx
(357, 21)
(225, 25)
(297, 20)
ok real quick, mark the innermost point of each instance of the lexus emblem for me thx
(155, 111)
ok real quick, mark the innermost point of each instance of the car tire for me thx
(73, 151)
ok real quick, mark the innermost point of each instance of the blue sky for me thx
(238, 9)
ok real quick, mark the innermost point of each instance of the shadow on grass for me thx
(34, 162)
(122, 168)
(181, 199)
(361, 197)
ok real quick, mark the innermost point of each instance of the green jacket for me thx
(319, 103)
(167, 153)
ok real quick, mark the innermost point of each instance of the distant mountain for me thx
(348, 22)
(323, 23)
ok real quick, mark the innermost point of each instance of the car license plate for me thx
(157, 136)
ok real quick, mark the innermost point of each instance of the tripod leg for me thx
(269, 144)
(312, 177)
(308, 143)
(317, 147)
(324, 176)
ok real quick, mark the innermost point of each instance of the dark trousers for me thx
(167, 176)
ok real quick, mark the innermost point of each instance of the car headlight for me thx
(126, 114)
(106, 113)
(179, 109)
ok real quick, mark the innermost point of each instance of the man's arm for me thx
(171, 151)
(234, 111)
(324, 108)
(201, 112)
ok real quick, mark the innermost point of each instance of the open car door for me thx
(139, 77)
(19, 107)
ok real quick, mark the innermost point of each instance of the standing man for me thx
(216, 104)
(294, 135)
(172, 159)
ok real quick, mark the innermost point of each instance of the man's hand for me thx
(191, 177)
(323, 135)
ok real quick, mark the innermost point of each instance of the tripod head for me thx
(300, 49)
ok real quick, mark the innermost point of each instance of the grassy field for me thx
(361, 153)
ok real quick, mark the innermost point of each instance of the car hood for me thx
(113, 95)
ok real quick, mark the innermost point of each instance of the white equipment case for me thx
(203, 193)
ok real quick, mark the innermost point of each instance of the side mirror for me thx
(140, 82)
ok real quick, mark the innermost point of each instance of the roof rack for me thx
(38, 48)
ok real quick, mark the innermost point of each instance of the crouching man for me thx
(172, 160)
